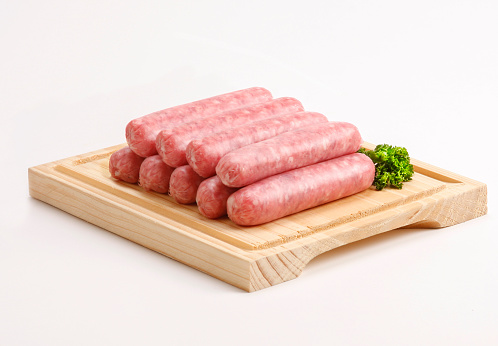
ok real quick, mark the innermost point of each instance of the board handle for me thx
(444, 209)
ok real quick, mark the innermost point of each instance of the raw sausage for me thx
(289, 150)
(183, 184)
(171, 143)
(124, 165)
(155, 174)
(141, 132)
(203, 154)
(293, 191)
(212, 197)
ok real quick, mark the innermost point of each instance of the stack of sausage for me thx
(244, 154)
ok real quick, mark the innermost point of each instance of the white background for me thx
(420, 74)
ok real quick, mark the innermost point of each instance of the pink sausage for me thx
(141, 132)
(183, 184)
(124, 165)
(293, 191)
(203, 154)
(212, 197)
(155, 174)
(172, 143)
(289, 150)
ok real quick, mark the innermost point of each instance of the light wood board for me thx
(251, 258)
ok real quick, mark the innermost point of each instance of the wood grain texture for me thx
(251, 258)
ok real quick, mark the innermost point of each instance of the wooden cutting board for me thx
(251, 258)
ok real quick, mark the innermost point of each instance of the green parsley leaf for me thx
(392, 165)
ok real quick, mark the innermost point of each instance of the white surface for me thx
(418, 74)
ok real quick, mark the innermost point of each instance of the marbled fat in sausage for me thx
(293, 191)
(203, 154)
(124, 165)
(155, 174)
(289, 150)
(172, 143)
(141, 132)
(183, 184)
(212, 197)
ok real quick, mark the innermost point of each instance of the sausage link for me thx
(141, 132)
(124, 165)
(155, 174)
(171, 143)
(293, 191)
(183, 184)
(212, 197)
(203, 154)
(289, 150)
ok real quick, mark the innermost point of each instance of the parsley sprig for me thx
(392, 165)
